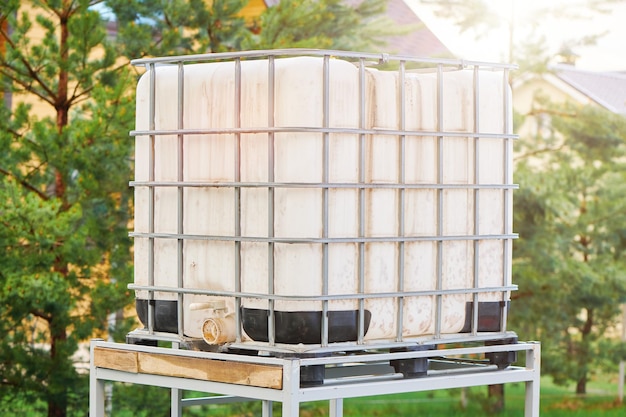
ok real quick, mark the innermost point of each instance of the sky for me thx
(609, 54)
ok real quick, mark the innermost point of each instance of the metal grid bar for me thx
(330, 185)
(440, 201)
(376, 57)
(180, 197)
(324, 240)
(325, 202)
(476, 99)
(237, 191)
(401, 198)
(151, 193)
(508, 177)
(310, 129)
(361, 186)
(271, 195)
(277, 297)
(361, 203)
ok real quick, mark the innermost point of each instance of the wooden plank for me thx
(258, 375)
(241, 373)
(119, 360)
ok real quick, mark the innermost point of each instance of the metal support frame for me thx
(346, 377)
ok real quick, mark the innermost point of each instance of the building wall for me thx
(525, 93)
(253, 9)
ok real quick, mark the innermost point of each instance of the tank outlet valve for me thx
(219, 330)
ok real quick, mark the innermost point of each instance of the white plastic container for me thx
(415, 197)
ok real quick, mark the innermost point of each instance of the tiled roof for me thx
(421, 42)
(608, 89)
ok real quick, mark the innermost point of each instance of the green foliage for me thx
(164, 27)
(325, 24)
(158, 28)
(63, 197)
(570, 212)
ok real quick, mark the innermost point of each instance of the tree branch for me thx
(31, 71)
(27, 86)
(25, 184)
(539, 152)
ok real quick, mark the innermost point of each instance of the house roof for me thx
(608, 89)
(421, 41)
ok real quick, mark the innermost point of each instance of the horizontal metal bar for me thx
(218, 399)
(353, 296)
(309, 240)
(434, 353)
(307, 129)
(378, 344)
(379, 57)
(342, 185)
(404, 385)
(189, 384)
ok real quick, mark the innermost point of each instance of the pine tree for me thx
(63, 195)
(570, 212)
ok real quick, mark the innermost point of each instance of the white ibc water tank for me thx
(296, 186)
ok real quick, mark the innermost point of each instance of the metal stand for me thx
(271, 379)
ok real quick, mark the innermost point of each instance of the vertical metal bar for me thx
(151, 194)
(475, 298)
(237, 191)
(176, 405)
(361, 195)
(291, 388)
(508, 179)
(335, 407)
(270, 198)
(266, 408)
(401, 198)
(440, 200)
(96, 386)
(325, 191)
(176, 395)
(180, 200)
(533, 361)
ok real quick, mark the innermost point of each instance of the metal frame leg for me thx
(96, 397)
(267, 408)
(533, 361)
(176, 395)
(335, 407)
(96, 390)
(176, 402)
(291, 387)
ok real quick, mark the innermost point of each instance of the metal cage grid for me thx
(401, 65)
